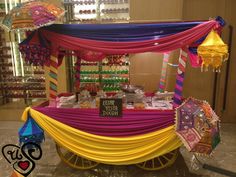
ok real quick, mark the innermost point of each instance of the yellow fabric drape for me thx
(108, 150)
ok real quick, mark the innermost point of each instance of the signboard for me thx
(110, 107)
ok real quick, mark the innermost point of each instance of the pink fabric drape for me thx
(133, 122)
(195, 60)
(164, 44)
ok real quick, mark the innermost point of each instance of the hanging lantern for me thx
(31, 132)
(213, 51)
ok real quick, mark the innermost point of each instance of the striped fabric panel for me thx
(163, 72)
(180, 77)
(53, 78)
(53, 75)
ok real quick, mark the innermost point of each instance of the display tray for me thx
(156, 106)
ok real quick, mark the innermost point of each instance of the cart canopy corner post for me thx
(53, 82)
(55, 61)
(180, 77)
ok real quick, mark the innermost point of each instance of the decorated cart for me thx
(146, 137)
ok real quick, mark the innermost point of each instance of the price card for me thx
(110, 107)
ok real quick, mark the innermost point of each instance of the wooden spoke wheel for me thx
(74, 160)
(160, 162)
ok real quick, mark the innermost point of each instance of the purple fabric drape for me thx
(133, 122)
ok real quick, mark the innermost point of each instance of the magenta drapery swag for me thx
(133, 122)
(163, 44)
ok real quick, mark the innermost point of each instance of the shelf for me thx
(15, 96)
(32, 74)
(5, 56)
(117, 3)
(116, 65)
(89, 65)
(115, 73)
(88, 73)
(24, 88)
(104, 73)
(20, 82)
(42, 97)
(89, 82)
(80, 2)
(36, 81)
(5, 73)
(13, 89)
(26, 82)
(5, 48)
(10, 82)
(114, 82)
(6, 64)
(108, 11)
(36, 89)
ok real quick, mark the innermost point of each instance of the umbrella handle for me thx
(219, 170)
(215, 169)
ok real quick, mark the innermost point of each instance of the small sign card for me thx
(110, 107)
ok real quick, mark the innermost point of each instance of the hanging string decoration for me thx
(163, 72)
(213, 51)
(77, 74)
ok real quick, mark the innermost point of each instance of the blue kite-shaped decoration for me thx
(31, 132)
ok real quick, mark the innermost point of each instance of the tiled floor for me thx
(12, 111)
(51, 165)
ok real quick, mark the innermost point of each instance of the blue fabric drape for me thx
(121, 32)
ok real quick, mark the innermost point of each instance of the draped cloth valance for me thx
(113, 147)
(119, 38)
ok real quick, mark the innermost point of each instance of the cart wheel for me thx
(74, 160)
(160, 162)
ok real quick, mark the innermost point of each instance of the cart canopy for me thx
(117, 38)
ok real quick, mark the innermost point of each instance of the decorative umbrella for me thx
(31, 132)
(197, 126)
(32, 15)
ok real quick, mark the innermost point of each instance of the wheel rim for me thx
(74, 160)
(160, 162)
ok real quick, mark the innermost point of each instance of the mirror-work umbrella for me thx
(32, 15)
(198, 126)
